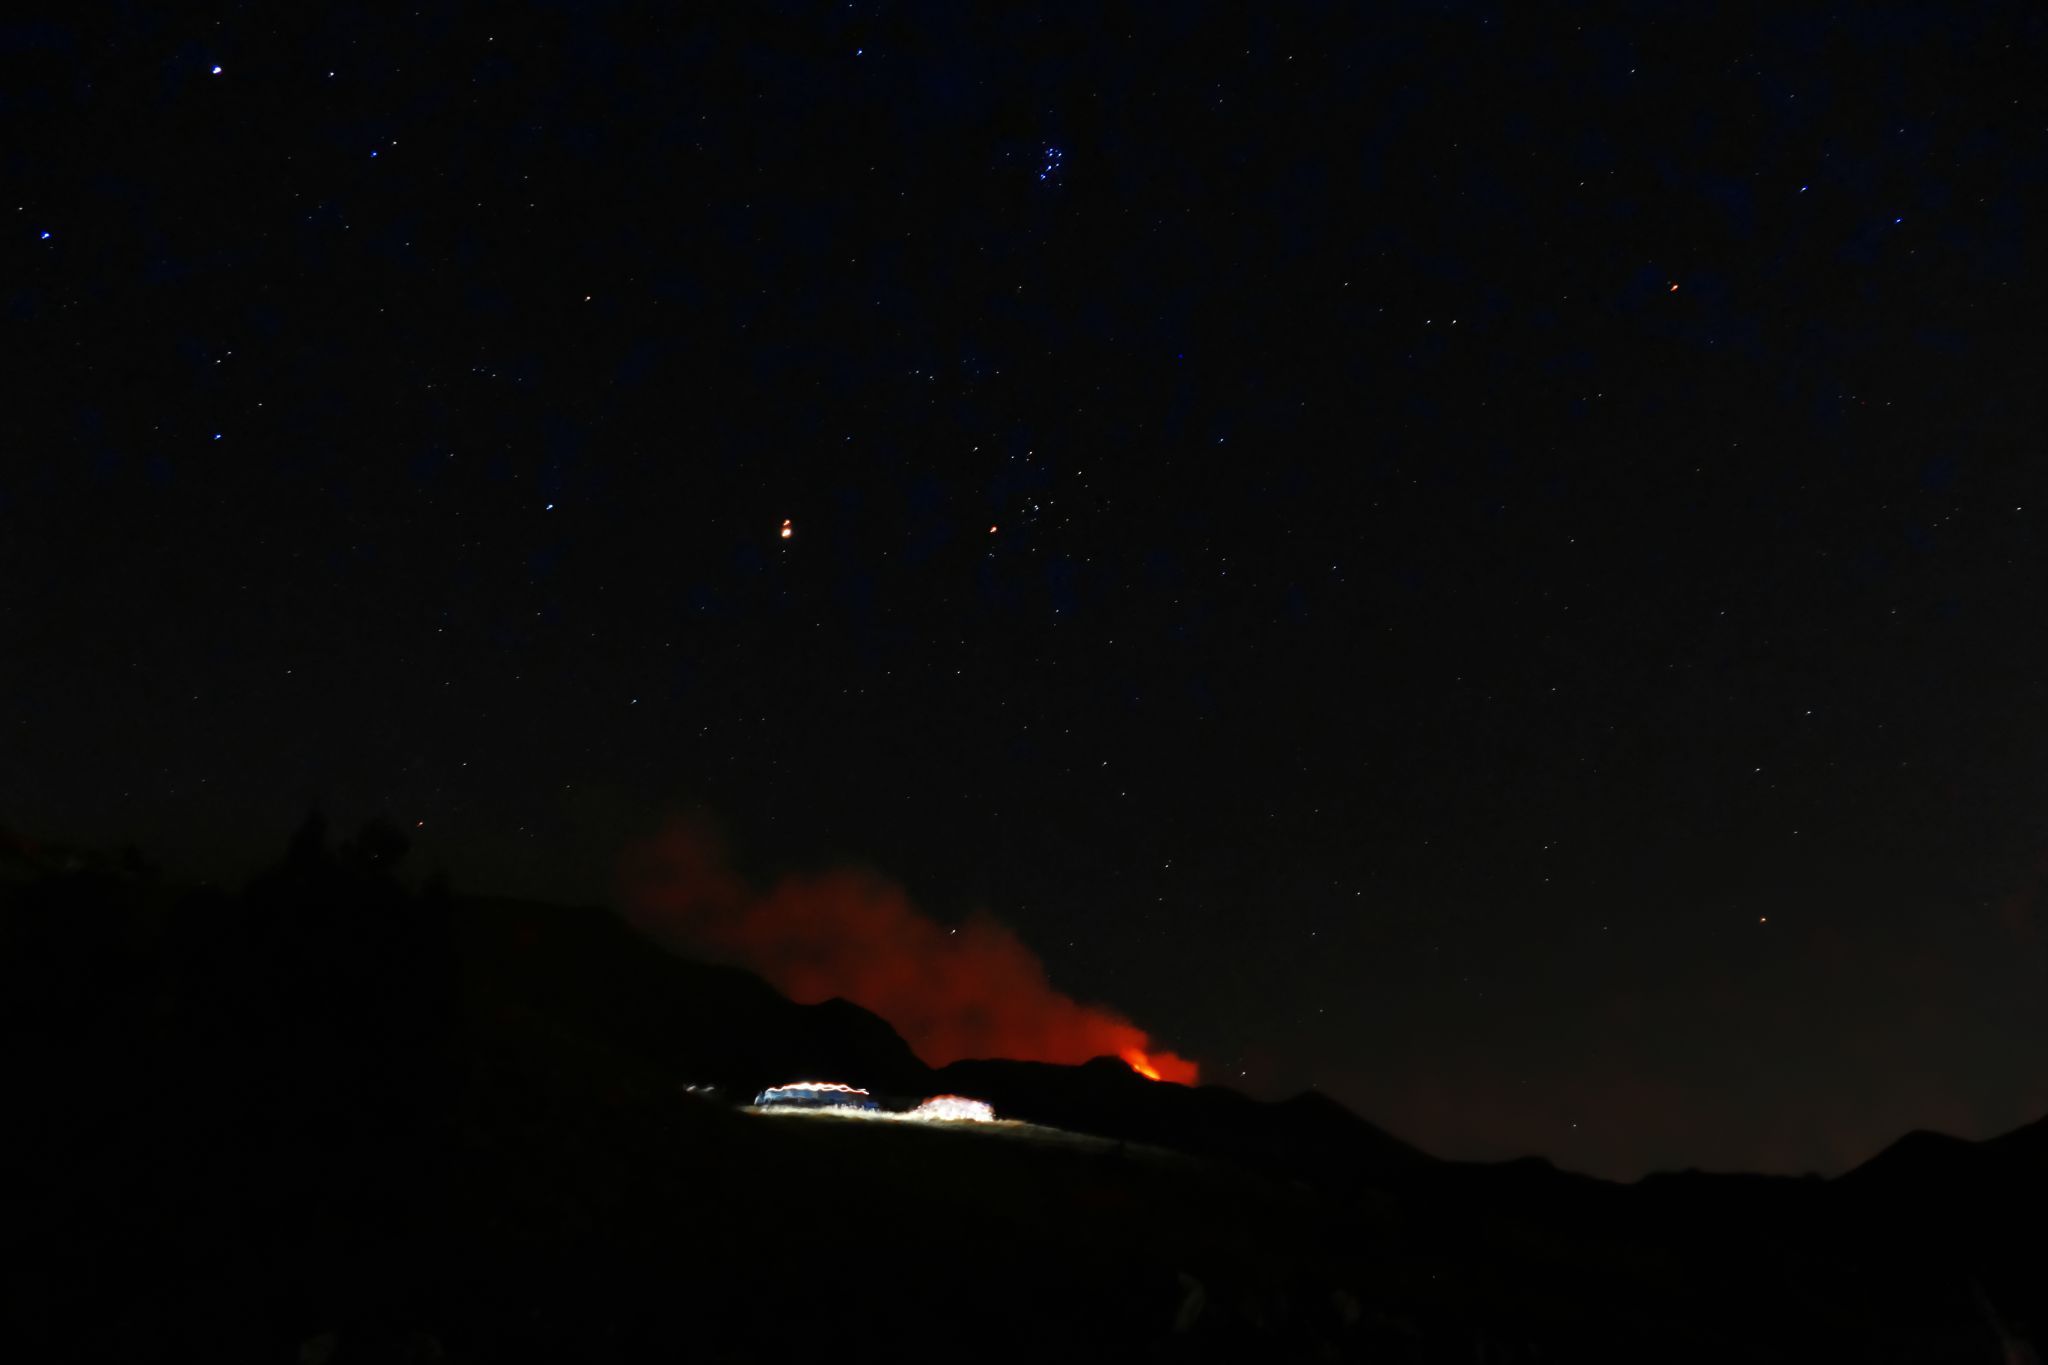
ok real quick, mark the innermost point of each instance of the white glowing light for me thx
(816, 1085)
(803, 1093)
(954, 1109)
(830, 1099)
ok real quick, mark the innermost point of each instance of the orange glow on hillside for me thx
(953, 990)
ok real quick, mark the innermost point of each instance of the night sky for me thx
(1490, 564)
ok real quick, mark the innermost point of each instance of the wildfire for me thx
(953, 990)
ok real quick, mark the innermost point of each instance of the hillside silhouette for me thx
(333, 1117)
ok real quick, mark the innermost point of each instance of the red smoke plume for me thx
(974, 991)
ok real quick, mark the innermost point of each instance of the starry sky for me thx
(1489, 563)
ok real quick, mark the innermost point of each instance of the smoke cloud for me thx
(972, 991)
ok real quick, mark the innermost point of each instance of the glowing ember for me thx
(1141, 1064)
(954, 1109)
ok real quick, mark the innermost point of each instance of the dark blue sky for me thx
(1516, 590)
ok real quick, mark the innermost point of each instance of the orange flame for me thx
(1141, 1064)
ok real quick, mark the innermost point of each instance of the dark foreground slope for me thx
(330, 1119)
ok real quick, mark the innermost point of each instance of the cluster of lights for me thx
(936, 1109)
(1052, 164)
(953, 1109)
(833, 1086)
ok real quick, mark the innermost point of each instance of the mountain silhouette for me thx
(336, 1117)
